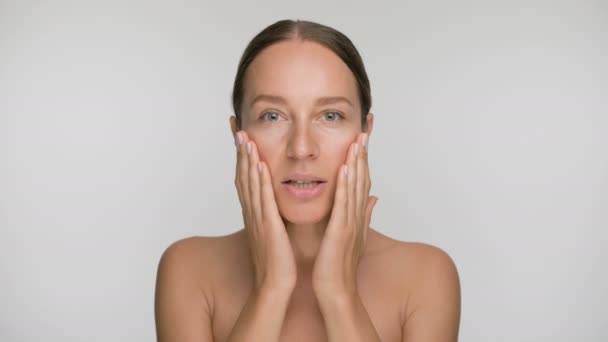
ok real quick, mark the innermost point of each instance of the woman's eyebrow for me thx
(321, 101)
(331, 100)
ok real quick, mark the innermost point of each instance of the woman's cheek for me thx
(266, 132)
(270, 131)
(268, 151)
(339, 144)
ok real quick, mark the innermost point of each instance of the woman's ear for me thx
(369, 123)
(233, 126)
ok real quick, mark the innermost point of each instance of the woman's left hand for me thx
(335, 269)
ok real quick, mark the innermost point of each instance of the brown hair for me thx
(304, 30)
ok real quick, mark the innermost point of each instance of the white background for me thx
(490, 142)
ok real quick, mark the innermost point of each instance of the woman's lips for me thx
(307, 192)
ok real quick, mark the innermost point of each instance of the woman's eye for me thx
(332, 116)
(270, 116)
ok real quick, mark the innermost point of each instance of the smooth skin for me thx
(334, 275)
(312, 268)
(275, 266)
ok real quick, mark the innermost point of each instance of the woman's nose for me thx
(302, 143)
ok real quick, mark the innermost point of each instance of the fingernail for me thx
(249, 147)
(364, 140)
(345, 170)
(356, 149)
(239, 138)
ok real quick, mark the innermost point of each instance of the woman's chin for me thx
(303, 214)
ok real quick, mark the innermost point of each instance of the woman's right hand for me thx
(271, 253)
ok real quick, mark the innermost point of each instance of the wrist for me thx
(274, 290)
(336, 293)
(280, 284)
(337, 300)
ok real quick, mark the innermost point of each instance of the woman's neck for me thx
(306, 240)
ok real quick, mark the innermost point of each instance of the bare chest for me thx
(379, 290)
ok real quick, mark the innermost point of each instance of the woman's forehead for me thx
(299, 70)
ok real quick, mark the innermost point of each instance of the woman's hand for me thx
(335, 269)
(271, 252)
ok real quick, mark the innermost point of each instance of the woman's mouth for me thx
(303, 184)
(304, 189)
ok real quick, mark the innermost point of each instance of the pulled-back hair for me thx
(307, 31)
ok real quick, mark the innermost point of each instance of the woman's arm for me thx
(184, 304)
(433, 309)
(262, 317)
(182, 308)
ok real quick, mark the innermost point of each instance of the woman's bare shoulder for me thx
(187, 273)
(201, 263)
(409, 254)
(431, 287)
(416, 263)
(208, 253)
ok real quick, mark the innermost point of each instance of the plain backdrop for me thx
(490, 142)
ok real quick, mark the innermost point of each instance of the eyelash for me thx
(340, 116)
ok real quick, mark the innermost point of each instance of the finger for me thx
(352, 177)
(254, 181)
(241, 174)
(368, 179)
(270, 210)
(361, 183)
(371, 203)
(340, 209)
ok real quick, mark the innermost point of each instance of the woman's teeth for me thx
(299, 184)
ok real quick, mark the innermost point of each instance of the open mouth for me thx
(304, 190)
(303, 184)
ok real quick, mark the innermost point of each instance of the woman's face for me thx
(301, 107)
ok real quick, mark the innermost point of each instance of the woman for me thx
(306, 266)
